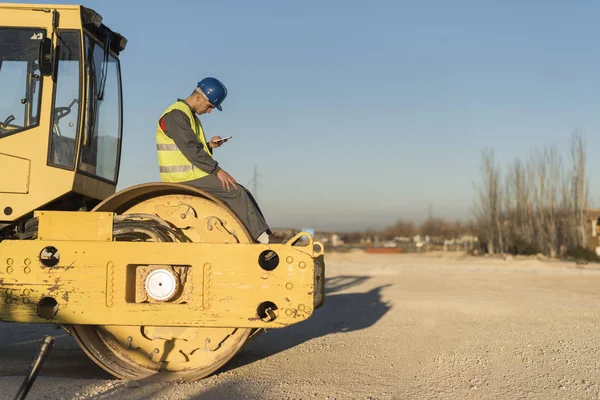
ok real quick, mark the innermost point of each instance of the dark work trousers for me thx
(240, 200)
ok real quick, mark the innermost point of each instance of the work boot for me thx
(277, 239)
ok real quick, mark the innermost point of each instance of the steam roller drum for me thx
(148, 213)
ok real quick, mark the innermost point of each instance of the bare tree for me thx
(542, 203)
(400, 228)
(518, 206)
(546, 167)
(579, 185)
(488, 203)
(523, 207)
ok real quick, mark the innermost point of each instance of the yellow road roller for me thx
(158, 280)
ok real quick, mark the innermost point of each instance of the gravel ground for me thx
(393, 327)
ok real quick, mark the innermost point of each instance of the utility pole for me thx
(254, 182)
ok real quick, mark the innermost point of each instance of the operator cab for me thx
(60, 110)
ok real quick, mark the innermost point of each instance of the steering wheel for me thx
(61, 112)
(4, 125)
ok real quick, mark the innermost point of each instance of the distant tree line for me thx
(433, 227)
(531, 206)
(537, 205)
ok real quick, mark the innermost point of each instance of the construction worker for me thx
(185, 156)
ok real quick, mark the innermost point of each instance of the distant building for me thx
(592, 229)
(336, 241)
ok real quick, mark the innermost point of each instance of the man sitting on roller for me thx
(184, 156)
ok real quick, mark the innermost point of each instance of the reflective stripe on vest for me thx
(174, 166)
(167, 147)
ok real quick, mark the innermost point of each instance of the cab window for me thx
(102, 139)
(65, 118)
(20, 79)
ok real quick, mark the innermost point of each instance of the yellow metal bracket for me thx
(74, 274)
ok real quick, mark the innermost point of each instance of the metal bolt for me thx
(8, 292)
(25, 300)
(9, 261)
(289, 286)
(301, 307)
(290, 259)
(27, 261)
(289, 312)
(26, 292)
(27, 270)
(302, 264)
(271, 314)
(9, 270)
(182, 216)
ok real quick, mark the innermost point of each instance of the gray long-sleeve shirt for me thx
(176, 125)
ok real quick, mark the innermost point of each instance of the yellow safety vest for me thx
(174, 166)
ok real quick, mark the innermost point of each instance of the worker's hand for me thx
(226, 180)
(214, 144)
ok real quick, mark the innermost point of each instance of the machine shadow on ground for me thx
(341, 313)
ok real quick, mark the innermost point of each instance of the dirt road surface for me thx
(393, 327)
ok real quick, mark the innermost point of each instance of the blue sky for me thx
(358, 113)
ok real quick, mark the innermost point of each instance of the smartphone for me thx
(222, 139)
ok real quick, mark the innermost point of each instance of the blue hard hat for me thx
(214, 90)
